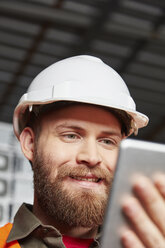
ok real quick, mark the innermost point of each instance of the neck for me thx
(77, 232)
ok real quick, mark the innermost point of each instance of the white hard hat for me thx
(85, 79)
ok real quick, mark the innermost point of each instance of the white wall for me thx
(16, 177)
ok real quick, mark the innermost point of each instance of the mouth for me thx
(87, 179)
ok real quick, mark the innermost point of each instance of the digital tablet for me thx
(134, 157)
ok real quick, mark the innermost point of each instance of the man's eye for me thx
(68, 137)
(71, 136)
(108, 142)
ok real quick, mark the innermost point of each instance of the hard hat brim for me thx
(140, 119)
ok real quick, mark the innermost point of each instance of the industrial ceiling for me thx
(128, 35)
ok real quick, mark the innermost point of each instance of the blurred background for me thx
(128, 35)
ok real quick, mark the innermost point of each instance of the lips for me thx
(89, 179)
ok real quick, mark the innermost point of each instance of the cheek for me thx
(111, 160)
(59, 153)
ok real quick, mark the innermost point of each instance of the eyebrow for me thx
(114, 133)
(78, 128)
(70, 127)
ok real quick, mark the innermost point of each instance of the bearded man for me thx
(70, 124)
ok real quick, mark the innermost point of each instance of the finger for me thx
(130, 240)
(151, 199)
(146, 230)
(159, 181)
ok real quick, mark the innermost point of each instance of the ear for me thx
(27, 143)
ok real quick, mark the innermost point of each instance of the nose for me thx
(88, 154)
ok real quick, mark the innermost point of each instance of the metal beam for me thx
(154, 3)
(141, 43)
(35, 13)
(138, 47)
(28, 56)
(95, 29)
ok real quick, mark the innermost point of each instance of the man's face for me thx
(73, 163)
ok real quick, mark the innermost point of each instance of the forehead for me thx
(83, 113)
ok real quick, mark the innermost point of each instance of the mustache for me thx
(84, 171)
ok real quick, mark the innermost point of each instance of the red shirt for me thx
(71, 242)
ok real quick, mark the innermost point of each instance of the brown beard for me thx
(84, 208)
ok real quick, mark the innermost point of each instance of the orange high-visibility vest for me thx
(4, 233)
